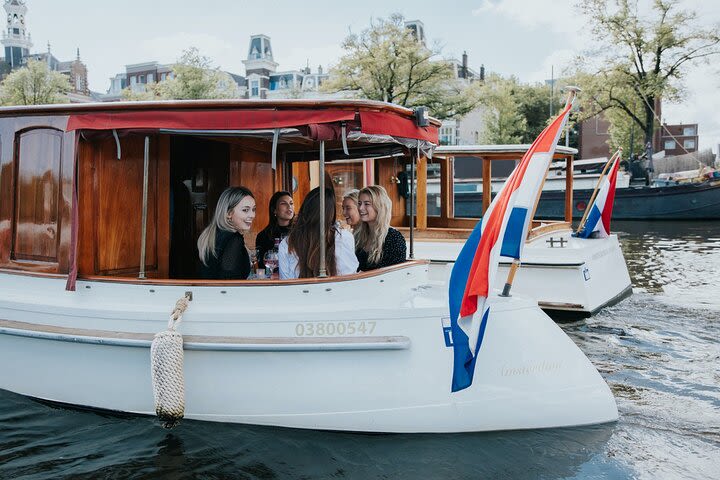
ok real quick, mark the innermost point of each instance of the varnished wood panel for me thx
(301, 174)
(421, 218)
(163, 205)
(36, 223)
(437, 222)
(86, 252)
(487, 184)
(568, 189)
(256, 173)
(386, 170)
(447, 188)
(118, 206)
(9, 130)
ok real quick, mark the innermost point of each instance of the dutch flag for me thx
(600, 211)
(508, 218)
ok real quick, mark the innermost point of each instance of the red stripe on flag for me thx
(610, 199)
(478, 278)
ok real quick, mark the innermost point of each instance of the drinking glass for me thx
(271, 262)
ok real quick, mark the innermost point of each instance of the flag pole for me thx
(597, 187)
(572, 93)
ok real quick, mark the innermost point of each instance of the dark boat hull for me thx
(697, 201)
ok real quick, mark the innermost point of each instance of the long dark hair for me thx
(305, 234)
(273, 227)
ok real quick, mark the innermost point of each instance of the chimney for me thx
(464, 66)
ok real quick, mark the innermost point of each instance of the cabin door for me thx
(199, 174)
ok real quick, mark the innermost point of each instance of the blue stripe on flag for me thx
(513, 239)
(461, 272)
(462, 356)
(591, 222)
(464, 361)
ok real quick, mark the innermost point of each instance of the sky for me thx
(525, 38)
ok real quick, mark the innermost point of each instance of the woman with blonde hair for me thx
(299, 252)
(350, 208)
(221, 245)
(377, 244)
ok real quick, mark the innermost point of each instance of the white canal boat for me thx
(568, 276)
(92, 263)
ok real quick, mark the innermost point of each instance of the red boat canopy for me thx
(373, 123)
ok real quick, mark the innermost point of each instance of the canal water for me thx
(658, 350)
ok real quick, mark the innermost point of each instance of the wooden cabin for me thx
(72, 181)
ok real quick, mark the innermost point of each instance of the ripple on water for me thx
(658, 350)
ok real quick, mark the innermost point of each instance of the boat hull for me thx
(693, 201)
(570, 277)
(246, 363)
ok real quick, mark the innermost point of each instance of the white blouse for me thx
(345, 260)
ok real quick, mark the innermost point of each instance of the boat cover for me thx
(373, 123)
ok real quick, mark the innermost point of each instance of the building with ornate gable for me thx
(17, 43)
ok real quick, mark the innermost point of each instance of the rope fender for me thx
(166, 365)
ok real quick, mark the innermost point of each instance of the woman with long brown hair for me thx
(299, 255)
(282, 212)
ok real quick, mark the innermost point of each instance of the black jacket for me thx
(232, 261)
(265, 241)
(394, 251)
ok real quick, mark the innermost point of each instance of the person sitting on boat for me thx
(221, 245)
(350, 208)
(299, 252)
(377, 243)
(282, 212)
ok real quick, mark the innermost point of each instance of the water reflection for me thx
(676, 259)
(658, 351)
(56, 442)
(660, 360)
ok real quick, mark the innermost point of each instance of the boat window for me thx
(37, 195)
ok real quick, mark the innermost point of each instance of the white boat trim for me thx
(209, 343)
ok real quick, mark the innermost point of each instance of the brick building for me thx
(679, 139)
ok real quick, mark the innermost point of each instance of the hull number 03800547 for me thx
(331, 329)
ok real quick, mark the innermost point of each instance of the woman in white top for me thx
(299, 252)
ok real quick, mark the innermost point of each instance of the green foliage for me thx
(386, 63)
(534, 105)
(504, 123)
(34, 84)
(193, 78)
(641, 57)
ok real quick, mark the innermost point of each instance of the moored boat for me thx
(682, 201)
(687, 195)
(568, 276)
(97, 206)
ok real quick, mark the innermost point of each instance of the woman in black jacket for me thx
(221, 245)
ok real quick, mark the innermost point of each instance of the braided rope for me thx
(166, 365)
